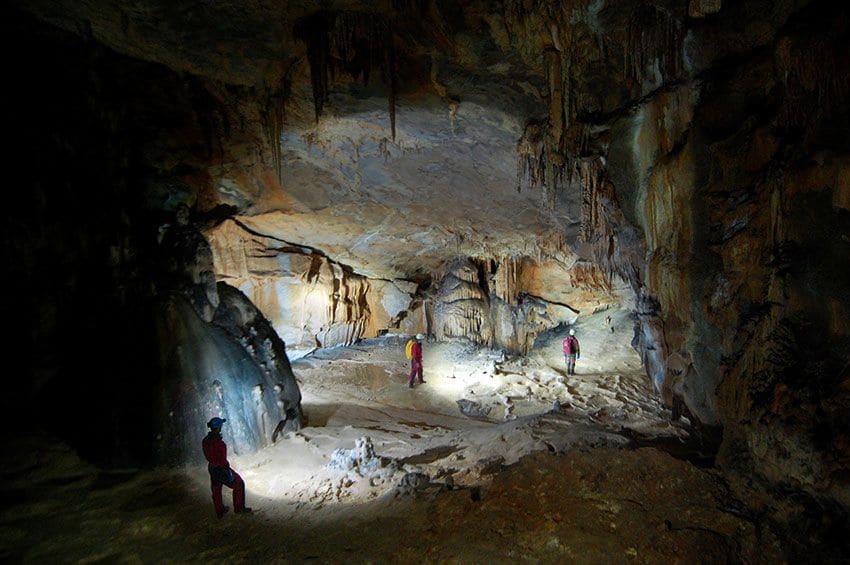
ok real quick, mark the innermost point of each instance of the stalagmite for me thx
(463, 309)
(484, 301)
(505, 279)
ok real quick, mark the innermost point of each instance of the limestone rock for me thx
(311, 300)
(491, 302)
(222, 356)
(362, 460)
(236, 371)
(412, 482)
(462, 308)
(473, 409)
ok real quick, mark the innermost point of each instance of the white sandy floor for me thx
(362, 391)
(61, 509)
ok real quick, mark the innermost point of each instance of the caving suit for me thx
(571, 351)
(415, 362)
(215, 450)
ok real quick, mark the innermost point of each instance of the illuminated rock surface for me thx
(323, 492)
(482, 172)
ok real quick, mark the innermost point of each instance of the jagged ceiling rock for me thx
(236, 42)
(444, 186)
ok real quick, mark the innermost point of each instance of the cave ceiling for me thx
(391, 200)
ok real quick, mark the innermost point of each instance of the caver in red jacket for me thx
(415, 362)
(571, 346)
(215, 450)
(572, 351)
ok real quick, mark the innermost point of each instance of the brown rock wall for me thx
(311, 300)
(494, 301)
(743, 221)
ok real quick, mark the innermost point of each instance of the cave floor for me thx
(521, 482)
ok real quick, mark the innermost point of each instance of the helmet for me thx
(215, 423)
(572, 331)
(420, 337)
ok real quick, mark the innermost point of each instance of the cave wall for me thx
(708, 141)
(776, 222)
(311, 300)
(745, 217)
(76, 245)
(314, 301)
(107, 149)
(703, 145)
(735, 174)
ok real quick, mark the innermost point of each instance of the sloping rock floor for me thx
(389, 474)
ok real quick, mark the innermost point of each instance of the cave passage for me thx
(471, 396)
(245, 209)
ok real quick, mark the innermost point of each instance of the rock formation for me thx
(222, 358)
(691, 157)
(493, 302)
(310, 300)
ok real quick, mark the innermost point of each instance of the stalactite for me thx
(273, 116)
(545, 149)
(558, 120)
(390, 67)
(654, 34)
(531, 160)
(313, 32)
(590, 175)
(352, 43)
(539, 162)
(589, 276)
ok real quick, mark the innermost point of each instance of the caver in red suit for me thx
(416, 360)
(572, 351)
(215, 450)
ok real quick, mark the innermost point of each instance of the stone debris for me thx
(362, 459)
(473, 409)
(413, 482)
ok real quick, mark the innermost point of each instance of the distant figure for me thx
(215, 450)
(572, 351)
(415, 359)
